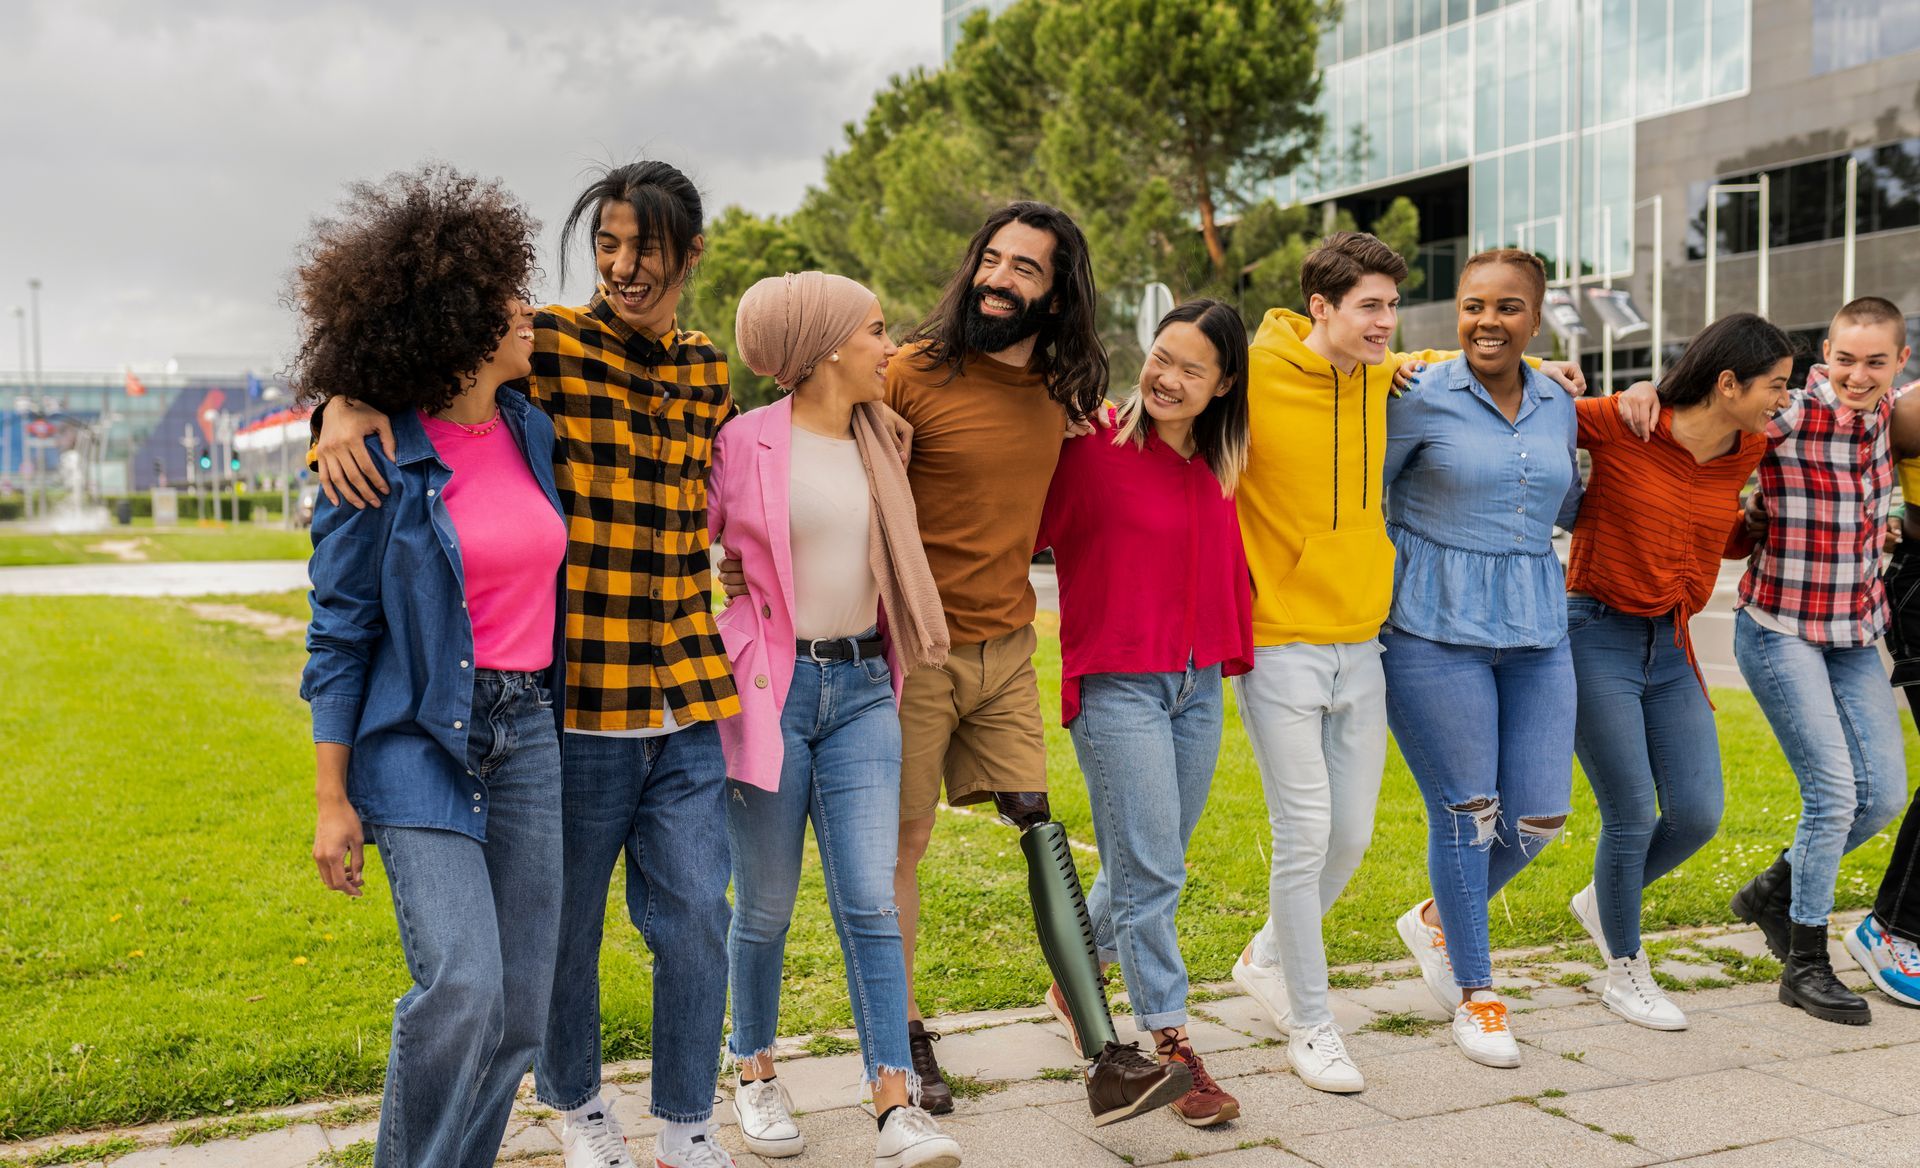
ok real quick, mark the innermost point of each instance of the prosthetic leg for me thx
(1122, 1082)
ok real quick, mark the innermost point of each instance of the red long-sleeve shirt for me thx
(1152, 571)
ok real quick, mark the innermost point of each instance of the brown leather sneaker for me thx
(1206, 1104)
(1123, 1083)
(936, 1098)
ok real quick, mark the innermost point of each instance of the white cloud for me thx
(159, 163)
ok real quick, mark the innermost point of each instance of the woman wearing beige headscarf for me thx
(810, 495)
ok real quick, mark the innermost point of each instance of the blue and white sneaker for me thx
(1892, 962)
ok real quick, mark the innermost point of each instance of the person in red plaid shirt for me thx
(1811, 614)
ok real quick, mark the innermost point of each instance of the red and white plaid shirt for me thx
(1827, 481)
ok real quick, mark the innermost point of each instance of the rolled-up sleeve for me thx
(348, 545)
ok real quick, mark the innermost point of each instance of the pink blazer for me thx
(747, 516)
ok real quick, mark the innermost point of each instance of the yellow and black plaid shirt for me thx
(635, 417)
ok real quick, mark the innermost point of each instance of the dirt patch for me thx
(127, 551)
(268, 624)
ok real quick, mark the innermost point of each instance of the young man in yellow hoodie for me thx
(1314, 704)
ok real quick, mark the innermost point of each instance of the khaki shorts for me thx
(975, 721)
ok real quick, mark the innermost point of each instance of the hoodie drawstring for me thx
(1334, 370)
(1364, 463)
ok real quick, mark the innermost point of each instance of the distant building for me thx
(954, 13)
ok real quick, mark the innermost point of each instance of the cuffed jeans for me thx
(662, 801)
(1645, 738)
(1488, 734)
(1147, 744)
(479, 924)
(1316, 717)
(1832, 710)
(841, 734)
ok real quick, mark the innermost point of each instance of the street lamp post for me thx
(1846, 248)
(1761, 188)
(1659, 280)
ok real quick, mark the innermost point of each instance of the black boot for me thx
(935, 1095)
(1809, 982)
(1764, 902)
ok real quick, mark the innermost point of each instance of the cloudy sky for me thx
(159, 162)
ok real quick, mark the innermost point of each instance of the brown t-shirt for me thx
(984, 448)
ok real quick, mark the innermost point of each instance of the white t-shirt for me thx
(830, 507)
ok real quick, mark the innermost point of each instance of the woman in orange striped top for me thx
(1657, 518)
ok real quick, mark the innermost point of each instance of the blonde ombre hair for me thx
(1221, 432)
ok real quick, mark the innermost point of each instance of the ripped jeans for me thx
(1488, 734)
(841, 733)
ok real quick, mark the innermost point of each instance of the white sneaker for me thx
(1480, 1031)
(1429, 947)
(911, 1139)
(1586, 910)
(594, 1141)
(703, 1152)
(1264, 985)
(1320, 1058)
(1633, 994)
(766, 1119)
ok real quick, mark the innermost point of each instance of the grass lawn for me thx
(132, 544)
(166, 950)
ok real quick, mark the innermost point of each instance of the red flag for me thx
(134, 387)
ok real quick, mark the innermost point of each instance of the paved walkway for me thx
(158, 579)
(1753, 1084)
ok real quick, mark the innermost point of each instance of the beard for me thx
(993, 334)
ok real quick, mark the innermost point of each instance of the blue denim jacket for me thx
(1472, 501)
(390, 648)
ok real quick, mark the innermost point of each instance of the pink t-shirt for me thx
(512, 543)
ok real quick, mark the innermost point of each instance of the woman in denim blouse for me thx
(1481, 465)
(434, 653)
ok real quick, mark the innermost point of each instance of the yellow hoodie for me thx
(1310, 498)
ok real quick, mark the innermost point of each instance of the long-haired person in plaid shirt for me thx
(1812, 610)
(636, 401)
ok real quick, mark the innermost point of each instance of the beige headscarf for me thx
(785, 327)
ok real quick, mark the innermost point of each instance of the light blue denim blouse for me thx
(1472, 501)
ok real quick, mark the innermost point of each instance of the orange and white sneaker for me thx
(1429, 947)
(1481, 1032)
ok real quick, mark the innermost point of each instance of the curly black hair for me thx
(406, 290)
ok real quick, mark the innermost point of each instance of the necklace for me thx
(483, 429)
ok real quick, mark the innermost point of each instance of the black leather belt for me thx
(842, 649)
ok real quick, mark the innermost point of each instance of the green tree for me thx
(742, 248)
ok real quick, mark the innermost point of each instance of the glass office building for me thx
(1480, 98)
(954, 13)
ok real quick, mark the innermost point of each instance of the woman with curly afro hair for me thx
(435, 652)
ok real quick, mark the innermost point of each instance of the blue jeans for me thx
(841, 734)
(1833, 712)
(1646, 740)
(1488, 734)
(662, 801)
(479, 924)
(1147, 744)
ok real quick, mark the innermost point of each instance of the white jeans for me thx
(1317, 718)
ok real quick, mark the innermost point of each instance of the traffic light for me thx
(233, 464)
(206, 459)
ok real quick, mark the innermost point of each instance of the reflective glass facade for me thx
(1807, 200)
(954, 13)
(1847, 33)
(1417, 87)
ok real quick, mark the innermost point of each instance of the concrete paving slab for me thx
(1428, 1082)
(1775, 1154)
(1891, 1024)
(1035, 1093)
(530, 1139)
(1724, 1109)
(1250, 1060)
(290, 1147)
(1712, 1042)
(346, 1137)
(1878, 1078)
(1017, 1139)
(1728, 997)
(1019, 1051)
(1749, 942)
(1552, 1019)
(1888, 1143)
(1271, 1107)
(1513, 1131)
(1261, 1157)
(1398, 997)
(1548, 997)
(819, 1084)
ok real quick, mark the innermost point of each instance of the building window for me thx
(1809, 200)
(1847, 33)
